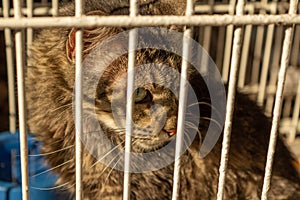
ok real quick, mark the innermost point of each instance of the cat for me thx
(50, 90)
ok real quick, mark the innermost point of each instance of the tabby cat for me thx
(50, 92)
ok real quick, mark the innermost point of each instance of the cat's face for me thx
(155, 101)
(155, 105)
(156, 88)
(155, 96)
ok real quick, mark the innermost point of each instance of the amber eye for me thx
(140, 94)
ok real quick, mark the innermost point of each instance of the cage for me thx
(254, 44)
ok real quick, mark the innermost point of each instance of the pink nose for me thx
(171, 132)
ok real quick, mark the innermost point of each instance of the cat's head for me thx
(50, 86)
(157, 77)
(154, 97)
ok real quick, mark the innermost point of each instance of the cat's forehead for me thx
(150, 75)
(153, 68)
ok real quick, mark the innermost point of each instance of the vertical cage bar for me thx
(201, 35)
(266, 61)
(129, 106)
(295, 52)
(29, 30)
(245, 52)
(207, 38)
(207, 30)
(228, 44)
(258, 48)
(10, 71)
(21, 104)
(257, 54)
(54, 8)
(186, 52)
(78, 103)
(236, 52)
(44, 2)
(286, 50)
(287, 106)
(220, 47)
(274, 66)
(295, 117)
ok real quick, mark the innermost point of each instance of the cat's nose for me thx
(171, 132)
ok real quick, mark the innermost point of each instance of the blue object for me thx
(4, 189)
(41, 179)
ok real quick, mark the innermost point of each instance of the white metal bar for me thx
(207, 31)
(29, 30)
(201, 35)
(287, 106)
(186, 51)
(220, 47)
(257, 55)
(266, 61)
(10, 72)
(54, 8)
(245, 53)
(207, 41)
(36, 11)
(44, 2)
(223, 8)
(11, 85)
(207, 38)
(275, 68)
(286, 49)
(228, 44)
(21, 104)
(134, 9)
(217, 8)
(123, 21)
(258, 49)
(295, 117)
(237, 43)
(296, 46)
(78, 103)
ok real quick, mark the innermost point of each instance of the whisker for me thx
(117, 162)
(67, 188)
(63, 106)
(109, 152)
(188, 138)
(199, 103)
(207, 104)
(57, 141)
(107, 166)
(110, 171)
(193, 126)
(49, 153)
(213, 120)
(193, 117)
(51, 188)
(206, 118)
(48, 170)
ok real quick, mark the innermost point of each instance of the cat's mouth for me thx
(147, 144)
(144, 138)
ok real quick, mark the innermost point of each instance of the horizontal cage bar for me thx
(125, 21)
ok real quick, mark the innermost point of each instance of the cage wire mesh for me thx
(257, 69)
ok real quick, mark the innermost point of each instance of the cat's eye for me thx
(140, 94)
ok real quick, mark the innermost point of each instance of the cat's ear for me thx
(91, 37)
(71, 45)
